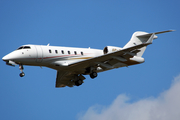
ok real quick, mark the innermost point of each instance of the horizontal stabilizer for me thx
(149, 34)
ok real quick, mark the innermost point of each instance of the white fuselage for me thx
(50, 56)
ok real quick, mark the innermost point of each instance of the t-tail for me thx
(143, 38)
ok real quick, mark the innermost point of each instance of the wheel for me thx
(22, 74)
(93, 75)
(78, 82)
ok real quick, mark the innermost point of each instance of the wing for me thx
(109, 61)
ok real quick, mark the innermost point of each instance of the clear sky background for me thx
(148, 91)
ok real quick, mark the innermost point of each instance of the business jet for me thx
(73, 63)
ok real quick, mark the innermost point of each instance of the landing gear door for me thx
(39, 54)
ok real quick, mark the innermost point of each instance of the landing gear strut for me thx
(21, 69)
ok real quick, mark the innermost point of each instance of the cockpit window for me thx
(24, 47)
(20, 48)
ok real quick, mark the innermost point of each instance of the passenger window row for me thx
(62, 51)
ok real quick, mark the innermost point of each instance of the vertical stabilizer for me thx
(136, 39)
(142, 37)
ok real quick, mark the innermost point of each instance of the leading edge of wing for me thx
(91, 61)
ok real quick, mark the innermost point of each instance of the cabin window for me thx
(62, 51)
(69, 52)
(50, 51)
(82, 53)
(56, 51)
(75, 52)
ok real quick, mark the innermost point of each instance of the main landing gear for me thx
(93, 75)
(21, 69)
(91, 72)
(79, 80)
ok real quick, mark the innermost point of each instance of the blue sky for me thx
(94, 24)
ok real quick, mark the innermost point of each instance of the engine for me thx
(110, 49)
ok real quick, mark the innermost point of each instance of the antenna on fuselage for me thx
(48, 44)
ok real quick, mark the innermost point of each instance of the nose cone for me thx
(6, 58)
(9, 56)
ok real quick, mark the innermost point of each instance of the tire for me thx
(78, 82)
(93, 75)
(22, 74)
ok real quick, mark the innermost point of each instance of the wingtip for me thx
(171, 30)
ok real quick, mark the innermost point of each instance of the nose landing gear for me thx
(21, 69)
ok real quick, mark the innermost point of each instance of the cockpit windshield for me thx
(24, 47)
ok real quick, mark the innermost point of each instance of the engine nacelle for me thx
(110, 49)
